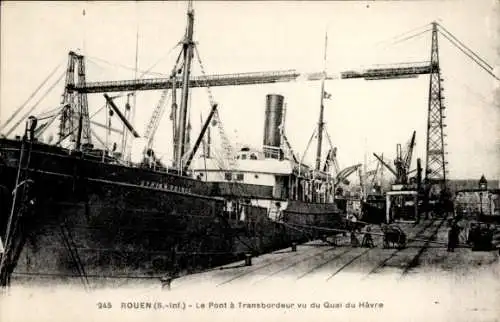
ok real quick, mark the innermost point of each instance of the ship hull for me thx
(93, 228)
(93, 221)
(313, 220)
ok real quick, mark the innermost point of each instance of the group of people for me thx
(367, 240)
(479, 236)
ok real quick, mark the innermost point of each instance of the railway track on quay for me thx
(341, 256)
(331, 263)
(361, 259)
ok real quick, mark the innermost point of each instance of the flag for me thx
(327, 95)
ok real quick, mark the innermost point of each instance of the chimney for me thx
(273, 120)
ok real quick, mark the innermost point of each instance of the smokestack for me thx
(419, 172)
(274, 117)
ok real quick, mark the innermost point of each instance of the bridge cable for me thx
(481, 63)
(401, 35)
(410, 37)
(464, 46)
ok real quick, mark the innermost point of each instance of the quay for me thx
(425, 252)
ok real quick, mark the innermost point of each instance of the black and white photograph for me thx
(250, 160)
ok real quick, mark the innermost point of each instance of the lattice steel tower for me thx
(75, 121)
(435, 156)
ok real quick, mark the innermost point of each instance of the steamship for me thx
(273, 178)
(77, 212)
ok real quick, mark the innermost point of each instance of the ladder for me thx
(229, 154)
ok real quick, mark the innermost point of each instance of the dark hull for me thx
(95, 220)
(313, 220)
(374, 209)
(85, 226)
(373, 213)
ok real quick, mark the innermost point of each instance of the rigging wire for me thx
(36, 104)
(91, 58)
(41, 130)
(48, 116)
(159, 110)
(72, 131)
(50, 112)
(158, 61)
(228, 149)
(30, 97)
(143, 72)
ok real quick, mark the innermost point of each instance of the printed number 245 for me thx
(104, 305)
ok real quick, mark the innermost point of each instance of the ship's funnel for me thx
(272, 123)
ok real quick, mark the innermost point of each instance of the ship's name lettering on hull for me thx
(165, 186)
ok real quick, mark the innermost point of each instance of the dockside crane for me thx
(340, 175)
(402, 164)
(377, 173)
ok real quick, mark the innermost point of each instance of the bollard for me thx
(294, 247)
(248, 259)
(166, 281)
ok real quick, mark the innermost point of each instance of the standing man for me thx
(453, 233)
(367, 238)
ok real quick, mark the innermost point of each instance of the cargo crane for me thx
(376, 187)
(364, 179)
(340, 175)
(401, 163)
(406, 192)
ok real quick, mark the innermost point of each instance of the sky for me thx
(245, 36)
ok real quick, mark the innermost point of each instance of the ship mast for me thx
(187, 55)
(321, 111)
